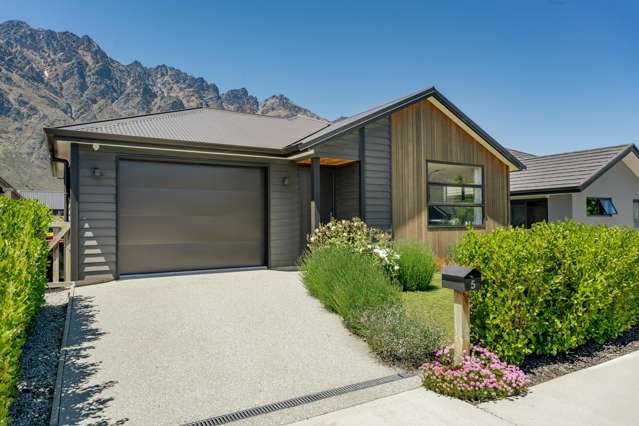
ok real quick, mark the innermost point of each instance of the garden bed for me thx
(39, 363)
(541, 368)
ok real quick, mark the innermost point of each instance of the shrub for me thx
(416, 265)
(347, 283)
(551, 288)
(481, 376)
(356, 235)
(23, 267)
(399, 338)
(355, 286)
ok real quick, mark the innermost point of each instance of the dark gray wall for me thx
(97, 211)
(377, 174)
(347, 191)
(97, 214)
(345, 147)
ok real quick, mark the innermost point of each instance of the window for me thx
(600, 207)
(455, 194)
(635, 212)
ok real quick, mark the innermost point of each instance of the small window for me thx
(635, 212)
(600, 207)
(455, 195)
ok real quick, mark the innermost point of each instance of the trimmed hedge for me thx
(551, 288)
(23, 269)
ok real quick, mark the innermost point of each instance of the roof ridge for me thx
(267, 116)
(580, 151)
(150, 114)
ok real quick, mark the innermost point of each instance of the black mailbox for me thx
(461, 278)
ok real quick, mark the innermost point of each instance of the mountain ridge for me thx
(50, 78)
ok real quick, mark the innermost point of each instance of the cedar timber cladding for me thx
(421, 133)
(97, 214)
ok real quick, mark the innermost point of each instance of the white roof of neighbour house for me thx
(569, 171)
(52, 199)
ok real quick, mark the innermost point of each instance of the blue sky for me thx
(541, 76)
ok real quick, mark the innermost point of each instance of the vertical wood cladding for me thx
(421, 133)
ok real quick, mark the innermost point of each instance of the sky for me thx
(540, 76)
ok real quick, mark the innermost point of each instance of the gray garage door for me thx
(179, 217)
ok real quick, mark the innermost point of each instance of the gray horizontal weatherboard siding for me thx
(97, 254)
(377, 174)
(377, 167)
(97, 215)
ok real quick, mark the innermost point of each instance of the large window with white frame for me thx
(455, 194)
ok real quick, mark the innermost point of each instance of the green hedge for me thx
(553, 287)
(23, 268)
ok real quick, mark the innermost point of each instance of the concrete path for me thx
(606, 394)
(172, 350)
(415, 407)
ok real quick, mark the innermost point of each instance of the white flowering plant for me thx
(360, 238)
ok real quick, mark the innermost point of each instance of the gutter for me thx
(293, 157)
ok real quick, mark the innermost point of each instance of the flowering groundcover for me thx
(481, 376)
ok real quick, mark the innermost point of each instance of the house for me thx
(7, 190)
(204, 188)
(52, 199)
(595, 186)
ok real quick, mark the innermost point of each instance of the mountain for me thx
(50, 78)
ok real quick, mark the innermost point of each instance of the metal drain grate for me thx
(294, 402)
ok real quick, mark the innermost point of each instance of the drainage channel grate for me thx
(294, 402)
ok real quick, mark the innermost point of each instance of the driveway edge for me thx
(57, 390)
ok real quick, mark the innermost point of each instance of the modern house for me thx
(595, 186)
(52, 199)
(204, 188)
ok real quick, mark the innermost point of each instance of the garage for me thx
(184, 217)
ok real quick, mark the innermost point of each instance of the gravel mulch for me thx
(541, 368)
(39, 362)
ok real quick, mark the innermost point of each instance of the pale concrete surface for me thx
(415, 407)
(169, 350)
(606, 394)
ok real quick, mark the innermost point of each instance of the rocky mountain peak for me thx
(50, 78)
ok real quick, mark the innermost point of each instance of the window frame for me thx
(601, 215)
(481, 186)
(635, 220)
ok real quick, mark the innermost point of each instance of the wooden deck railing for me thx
(60, 235)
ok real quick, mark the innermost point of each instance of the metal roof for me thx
(360, 119)
(566, 172)
(208, 126)
(52, 199)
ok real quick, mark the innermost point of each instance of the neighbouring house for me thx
(204, 188)
(52, 199)
(7, 190)
(595, 186)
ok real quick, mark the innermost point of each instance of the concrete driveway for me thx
(173, 350)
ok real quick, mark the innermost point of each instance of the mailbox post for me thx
(462, 280)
